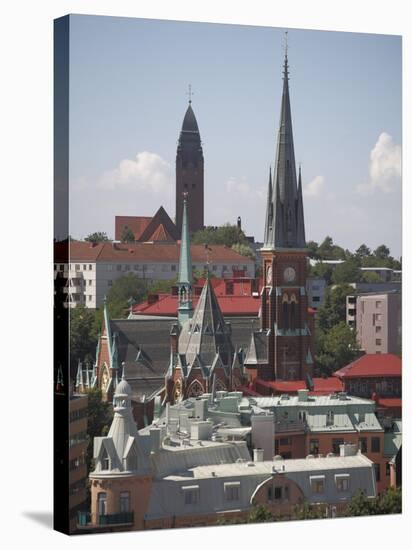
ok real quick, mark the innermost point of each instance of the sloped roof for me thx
(160, 228)
(137, 224)
(189, 121)
(83, 251)
(372, 365)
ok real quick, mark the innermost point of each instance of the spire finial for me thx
(123, 366)
(285, 65)
(190, 93)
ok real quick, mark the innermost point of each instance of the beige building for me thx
(378, 322)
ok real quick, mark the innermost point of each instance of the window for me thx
(336, 443)
(232, 490)
(191, 494)
(376, 445)
(378, 329)
(84, 267)
(378, 304)
(314, 447)
(284, 441)
(378, 316)
(302, 416)
(317, 484)
(90, 282)
(101, 503)
(105, 461)
(61, 267)
(378, 341)
(214, 267)
(342, 482)
(109, 282)
(315, 287)
(119, 267)
(124, 501)
(77, 267)
(330, 418)
(55, 267)
(90, 267)
(89, 297)
(173, 267)
(377, 471)
(316, 299)
(388, 469)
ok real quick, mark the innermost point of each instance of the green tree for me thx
(370, 277)
(244, 250)
(382, 252)
(327, 250)
(126, 288)
(310, 511)
(390, 502)
(336, 348)
(361, 505)
(97, 237)
(348, 272)
(333, 309)
(313, 249)
(260, 514)
(363, 251)
(322, 271)
(83, 336)
(127, 235)
(100, 414)
(226, 234)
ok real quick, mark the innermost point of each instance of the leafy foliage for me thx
(335, 348)
(244, 250)
(127, 235)
(258, 514)
(333, 309)
(389, 502)
(226, 234)
(97, 237)
(348, 272)
(310, 511)
(100, 415)
(83, 336)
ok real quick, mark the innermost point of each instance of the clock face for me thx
(269, 275)
(289, 274)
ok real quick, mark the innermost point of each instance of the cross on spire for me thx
(190, 93)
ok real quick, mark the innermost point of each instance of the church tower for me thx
(189, 172)
(282, 349)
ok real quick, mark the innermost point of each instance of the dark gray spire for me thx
(269, 212)
(285, 195)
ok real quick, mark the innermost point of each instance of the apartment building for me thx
(78, 413)
(315, 289)
(93, 267)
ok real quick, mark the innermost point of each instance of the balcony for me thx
(84, 520)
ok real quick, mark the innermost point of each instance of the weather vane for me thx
(190, 93)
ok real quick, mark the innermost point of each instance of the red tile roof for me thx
(149, 252)
(137, 224)
(372, 365)
(389, 402)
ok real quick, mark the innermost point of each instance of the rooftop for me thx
(372, 365)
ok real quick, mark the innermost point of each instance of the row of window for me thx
(375, 446)
(79, 297)
(168, 267)
(78, 414)
(77, 438)
(77, 267)
(77, 462)
(124, 502)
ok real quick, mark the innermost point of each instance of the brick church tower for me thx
(189, 173)
(282, 348)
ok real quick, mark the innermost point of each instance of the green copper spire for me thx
(185, 310)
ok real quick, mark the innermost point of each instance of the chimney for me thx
(303, 395)
(258, 455)
(348, 449)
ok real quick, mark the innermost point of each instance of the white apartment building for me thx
(92, 268)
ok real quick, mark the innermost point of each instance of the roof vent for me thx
(278, 457)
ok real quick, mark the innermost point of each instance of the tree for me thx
(333, 309)
(99, 418)
(370, 277)
(363, 251)
(97, 237)
(127, 235)
(322, 271)
(310, 511)
(313, 249)
(336, 348)
(226, 234)
(348, 272)
(382, 252)
(329, 251)
(83, 336)
(123, 289)
(388, 502)
(258, 514)
(244, 250)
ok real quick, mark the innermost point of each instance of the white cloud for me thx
(241, 188)
(385, 163)
(314, 187)
(148, 173)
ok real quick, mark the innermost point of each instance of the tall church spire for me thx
(287, 205)
(185, 310)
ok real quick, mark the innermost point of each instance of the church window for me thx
(292, 311)
(195, 389)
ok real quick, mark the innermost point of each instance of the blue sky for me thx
(128, 96)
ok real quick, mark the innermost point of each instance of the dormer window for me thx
(330, 418)
(105, 461)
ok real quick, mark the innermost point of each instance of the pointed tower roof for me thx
(185, 260)
(189, 121)
(286, 214)
(206, 333)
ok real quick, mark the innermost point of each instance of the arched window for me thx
(195, 389)
(101, 503)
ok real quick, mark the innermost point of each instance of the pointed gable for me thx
(160, 228)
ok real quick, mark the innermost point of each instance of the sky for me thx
(128, 95)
